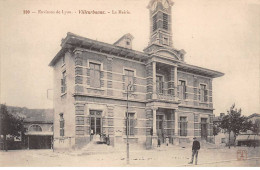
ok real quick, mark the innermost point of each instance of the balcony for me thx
(164, 91)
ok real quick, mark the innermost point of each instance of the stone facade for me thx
(95, 83)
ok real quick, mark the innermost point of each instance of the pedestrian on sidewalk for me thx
(159, 142)
(195, 150)
(167, 141)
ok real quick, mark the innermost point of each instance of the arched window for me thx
(35, 128)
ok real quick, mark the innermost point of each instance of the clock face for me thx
(165, 4)
(154, 5)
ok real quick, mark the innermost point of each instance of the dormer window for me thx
(127, 43)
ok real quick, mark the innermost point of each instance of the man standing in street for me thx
(195, 150)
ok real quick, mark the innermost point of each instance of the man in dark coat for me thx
(195, 150)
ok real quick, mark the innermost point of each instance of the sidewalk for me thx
(163, 156)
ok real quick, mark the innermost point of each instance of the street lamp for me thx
(129, 86)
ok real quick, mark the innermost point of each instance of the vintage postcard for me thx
(130, 83)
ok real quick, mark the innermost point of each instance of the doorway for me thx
(159, 127)
(204, 129)
(95, 122)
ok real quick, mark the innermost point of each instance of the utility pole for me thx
(129, 86)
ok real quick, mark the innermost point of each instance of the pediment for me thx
(168, 54)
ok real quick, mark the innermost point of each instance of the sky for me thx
(223, 35)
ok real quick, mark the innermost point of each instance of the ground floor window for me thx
(183, 126)
(62, 122)
(131, 124)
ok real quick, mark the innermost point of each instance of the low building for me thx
(38, 124)
(251, 137)
(39, 130)
(103, 89)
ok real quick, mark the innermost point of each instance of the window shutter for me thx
(185, 92)
(123, 79)
(206, 95)
(134, 88)
(102, 83)
(134, 80)
(199, 94)
(61, 132)
(125, 126)
(88, 72)
(101, 74)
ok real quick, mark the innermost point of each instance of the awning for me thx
(32, 133)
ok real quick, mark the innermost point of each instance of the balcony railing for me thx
(164, 92)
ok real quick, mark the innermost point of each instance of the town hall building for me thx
(110, 90)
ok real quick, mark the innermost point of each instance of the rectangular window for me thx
(182, 89)
(159, 84)
(129, 77)
(64, 82)
(203, 93)
(165, 21)
(95, 75)
(154, 22)
(61, 124)
(183, 126)
(131, 124)
(165, 41)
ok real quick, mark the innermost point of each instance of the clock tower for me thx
(160, 22)
(160, 41)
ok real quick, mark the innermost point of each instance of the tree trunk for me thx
(5, 144)
(229, 139)
(235, 140)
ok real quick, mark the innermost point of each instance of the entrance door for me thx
(204, 129)
(159, 127)
(95, 122)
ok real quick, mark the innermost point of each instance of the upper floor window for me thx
(131, 124)
(129, 76)
(165, 41)
(62, 123)
(95, 75)
(159, 84)
(183, 125)
(165, 21)
(203, 93)
(63, 82)
(182, 89)
(154, 22)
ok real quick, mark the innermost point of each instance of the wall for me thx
(64, 103)
(193, 82)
